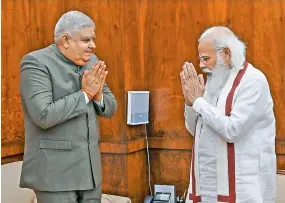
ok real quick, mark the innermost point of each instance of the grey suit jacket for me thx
(61, 130)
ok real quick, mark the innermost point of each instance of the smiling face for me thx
(79, 46)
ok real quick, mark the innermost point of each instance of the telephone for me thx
(158, 198)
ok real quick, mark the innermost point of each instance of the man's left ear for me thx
(227, 52)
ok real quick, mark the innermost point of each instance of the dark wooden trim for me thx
(179, 143)
(10, 159)
(121, 148)
(280, 147)
(282, 172)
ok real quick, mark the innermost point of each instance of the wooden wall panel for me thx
(12, 136)
(137, 176)
(144, 44)
(281, 162)
(171, 167)
(133, 56)
(269, 46)
(168, 44)
(114, 174)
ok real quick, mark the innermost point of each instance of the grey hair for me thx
(227, 40)
(70, 22)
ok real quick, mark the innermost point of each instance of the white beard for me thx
(216, 80)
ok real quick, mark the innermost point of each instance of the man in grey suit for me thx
(63, 90)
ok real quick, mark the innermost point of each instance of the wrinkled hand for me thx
(92, 79)
(193, 86)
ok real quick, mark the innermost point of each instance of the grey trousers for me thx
(79, 196)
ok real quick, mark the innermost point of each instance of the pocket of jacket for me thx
(55, 144)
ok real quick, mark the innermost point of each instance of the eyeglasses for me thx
(204, 59)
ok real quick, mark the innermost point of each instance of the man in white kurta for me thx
(233, 124)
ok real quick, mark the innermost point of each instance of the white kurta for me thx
(250, 127)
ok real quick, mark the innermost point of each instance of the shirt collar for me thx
(60, 55)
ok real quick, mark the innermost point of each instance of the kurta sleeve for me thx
(252, 101)
(191, 117)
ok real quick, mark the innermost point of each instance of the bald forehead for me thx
(206, 45)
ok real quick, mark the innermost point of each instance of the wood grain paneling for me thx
(268, 48)
(144, 44)
(133, 56)
(281, 163)
(137, 176)
(114, 174)
(171, 167)
(169, 42)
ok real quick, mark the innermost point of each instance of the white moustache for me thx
(207, 70)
